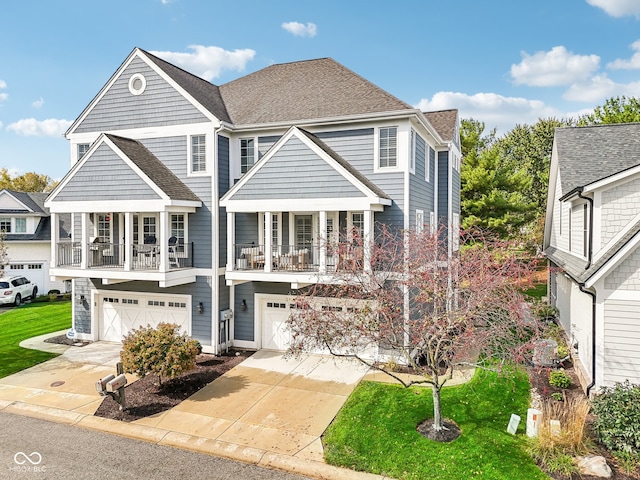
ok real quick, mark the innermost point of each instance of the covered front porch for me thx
(152, 244)
(287, 245)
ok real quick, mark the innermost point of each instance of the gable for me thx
(295, 171)
(160, 104)
(625, 276)
(10, 204)
(105, 176)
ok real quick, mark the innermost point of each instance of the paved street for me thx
(32, 448)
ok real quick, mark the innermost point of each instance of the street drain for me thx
(57, 384)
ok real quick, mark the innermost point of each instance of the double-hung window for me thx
(21, 225)
(198, 154)
(388, 147)
(247, 154)
(82, 149)
(104, 227)
(177, 227)
(5, 224)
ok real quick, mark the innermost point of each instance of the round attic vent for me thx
(137, 84)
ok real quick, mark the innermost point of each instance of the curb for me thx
(204, 445)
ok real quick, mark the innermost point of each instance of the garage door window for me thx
(155, 303)
(130, 301)
(111, 300)
(35, 266)
(177, 304)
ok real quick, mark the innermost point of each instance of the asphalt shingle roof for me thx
(157, 171)
(444, 121)
(589, 154)
(205, 93)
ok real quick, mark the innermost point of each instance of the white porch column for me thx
(368, 239)
(128, 241)
(231, 241)
(84, 241)
(55, 239)
(163, 242)
(268, 249)
(323, 241)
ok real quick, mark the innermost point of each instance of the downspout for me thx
(593, 337)
(593, 295)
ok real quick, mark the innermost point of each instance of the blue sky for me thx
(503, 62)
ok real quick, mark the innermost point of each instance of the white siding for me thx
(575, 317)
(620, 204)
(560, 221)
(625, 276)
(621, 340)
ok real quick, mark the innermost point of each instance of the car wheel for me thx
(18, 300)
(35, 293)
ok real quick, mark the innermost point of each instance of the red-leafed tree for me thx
(421, 307)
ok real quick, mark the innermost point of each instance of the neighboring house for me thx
(205, 205)
(592, 234)
(27, 236)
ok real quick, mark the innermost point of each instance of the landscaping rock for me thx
(594, 465)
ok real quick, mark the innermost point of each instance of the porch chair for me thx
(173, 259)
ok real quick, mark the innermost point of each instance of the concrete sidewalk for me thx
(268, 410)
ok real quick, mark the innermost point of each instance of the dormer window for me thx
(21, 225)
(5, 224)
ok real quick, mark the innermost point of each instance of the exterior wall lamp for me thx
(243, 305)
(200, 307)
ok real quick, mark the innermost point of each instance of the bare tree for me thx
(411, 303)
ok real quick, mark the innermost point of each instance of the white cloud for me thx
(3, 84)
(3, 96)
(30, 127)
(492, 109)
(209, 62)
(38, 103)
(555, 67)
(632, 64)
(617, 8)
(600, 88)
(300, 29)
(0, 124)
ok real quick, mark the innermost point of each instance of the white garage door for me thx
(275, 334)
(121, 312)
(33, 271)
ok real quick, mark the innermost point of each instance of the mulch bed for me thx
(539, 378)
(146, 396)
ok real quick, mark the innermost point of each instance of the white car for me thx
(15, 289)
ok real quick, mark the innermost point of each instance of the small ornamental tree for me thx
(163, 351)
(419, 306)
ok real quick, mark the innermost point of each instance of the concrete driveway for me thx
(268, 410)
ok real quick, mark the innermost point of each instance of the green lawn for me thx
(376, 431)
(28, 321)
(538, 291)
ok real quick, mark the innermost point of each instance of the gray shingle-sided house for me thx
(205, 205)
(592, 234)
(26, 225)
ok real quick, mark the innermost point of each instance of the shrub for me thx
(617, 425)
(162, 351)
(559, 379)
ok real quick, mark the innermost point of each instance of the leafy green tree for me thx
(529, 147)
(28, 182)
(493, 185)
(615, 110)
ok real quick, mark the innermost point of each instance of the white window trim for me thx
(412, 147)
(255, 153)
(207, 155)
(432, 223)
(419, 220)
(95, 225)
(186, 225)
(132, 81)
(15, 225)
(427, 162)
(376, 149)
(350, 223)
(261, 229)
